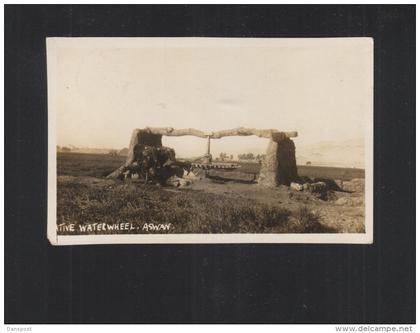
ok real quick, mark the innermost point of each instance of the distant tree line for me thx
(247, 157)
(250, 157)
(63, 149)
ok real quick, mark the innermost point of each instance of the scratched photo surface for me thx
(210, 140)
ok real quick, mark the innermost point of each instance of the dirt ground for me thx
(343, 211)
(225, 201)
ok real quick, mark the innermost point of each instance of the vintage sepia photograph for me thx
(210, 164)
(210, 140)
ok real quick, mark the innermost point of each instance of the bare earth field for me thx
(225, 202)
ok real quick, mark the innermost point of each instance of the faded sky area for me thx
(104, 88)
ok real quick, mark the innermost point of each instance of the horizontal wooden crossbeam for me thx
(240, 131)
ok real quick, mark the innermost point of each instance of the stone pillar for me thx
(142, 137)
(279, 165)
(269, 165)
(139, 137)
(286, 156)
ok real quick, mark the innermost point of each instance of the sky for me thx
(100, 89)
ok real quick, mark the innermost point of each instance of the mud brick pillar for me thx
(142, 137)
(279, 165)
(138, 137)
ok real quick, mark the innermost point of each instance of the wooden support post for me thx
(207, 156)
(208, 145)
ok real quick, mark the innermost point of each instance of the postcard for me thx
(210, 140)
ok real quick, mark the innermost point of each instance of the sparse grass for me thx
(83, 201)
(92, 165)
(309, 222)
(313, 171)
(186, 211)
(95, 165)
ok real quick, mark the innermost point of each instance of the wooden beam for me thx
(240, 131)
(169, 131)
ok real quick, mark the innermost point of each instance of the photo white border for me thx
(338, 238)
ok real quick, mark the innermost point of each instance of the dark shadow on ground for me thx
(223, 180)
(331, 183)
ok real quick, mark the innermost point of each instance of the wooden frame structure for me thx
(279, 166)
